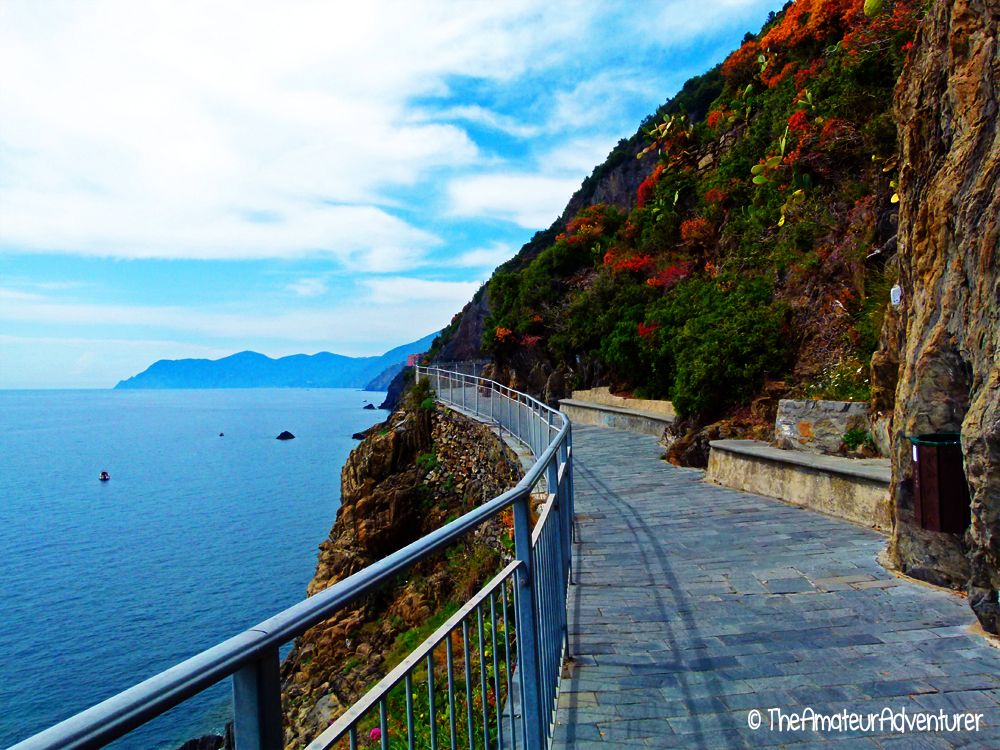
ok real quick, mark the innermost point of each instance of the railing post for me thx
(527, 633)
(257, 704)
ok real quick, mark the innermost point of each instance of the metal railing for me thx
(512, 634)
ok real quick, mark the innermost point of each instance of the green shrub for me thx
(719, 341)
(857, 437)
(427, 461)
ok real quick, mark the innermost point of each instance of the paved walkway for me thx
(694, 605)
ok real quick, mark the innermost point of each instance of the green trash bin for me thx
(941, 494)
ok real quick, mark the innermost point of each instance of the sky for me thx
(193, 179)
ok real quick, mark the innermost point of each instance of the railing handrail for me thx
(116, 716)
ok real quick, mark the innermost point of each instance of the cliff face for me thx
(948, 328)
(463, 341)
(406, 478)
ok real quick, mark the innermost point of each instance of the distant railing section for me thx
(487, 677)
(463, 366)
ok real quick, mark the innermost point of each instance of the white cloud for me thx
(485, 257)
(403, 290)
(600, 99)
(167, 129)
(532, 201)
(362, 237)
(308, 287)
(579, 156)
(683, 20)
(483, 116)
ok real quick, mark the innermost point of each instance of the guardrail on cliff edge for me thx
(514, 628)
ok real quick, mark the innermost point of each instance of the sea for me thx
(207, 526)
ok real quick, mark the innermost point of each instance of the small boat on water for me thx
(105, 476)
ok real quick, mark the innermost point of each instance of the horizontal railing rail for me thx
(533, 646)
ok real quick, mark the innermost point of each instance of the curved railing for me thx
(513, 631)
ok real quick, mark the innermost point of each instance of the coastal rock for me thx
(949, 320)
(286, 435)
(407, 477)
(369, 406)
(395, 390)
(224, 741)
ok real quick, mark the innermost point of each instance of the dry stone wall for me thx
(817, 426)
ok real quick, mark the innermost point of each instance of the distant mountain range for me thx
(253, 370)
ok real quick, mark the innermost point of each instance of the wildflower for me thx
(375, 735)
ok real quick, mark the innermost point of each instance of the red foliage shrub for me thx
(697, 231)
(740, 66)
(586, 227)
(715, 117)
(530, 340)
(634, 263)
(815, 21)
(630, 230)
(647, 330)
(714, 196)
(503, 334)
(773, 81)
(647, 185)
(670, 275)
(904, 17)
(798, 122)
(803, 75)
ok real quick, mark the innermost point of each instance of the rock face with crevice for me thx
(948, 329)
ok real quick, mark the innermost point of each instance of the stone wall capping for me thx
(869, 469)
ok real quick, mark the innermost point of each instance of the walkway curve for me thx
(693, 605)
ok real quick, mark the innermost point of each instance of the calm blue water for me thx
(195, 538)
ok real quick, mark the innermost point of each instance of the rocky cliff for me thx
(945, 338)
(410, 475)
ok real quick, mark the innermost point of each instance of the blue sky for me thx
(192, 179)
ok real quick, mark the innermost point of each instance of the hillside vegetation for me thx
(756, 253)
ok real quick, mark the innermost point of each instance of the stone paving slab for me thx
(693, 605)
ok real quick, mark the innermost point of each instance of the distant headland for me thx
(254, 370)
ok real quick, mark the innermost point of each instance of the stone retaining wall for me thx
(852, 489)
(600, 415)
(604, 396)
